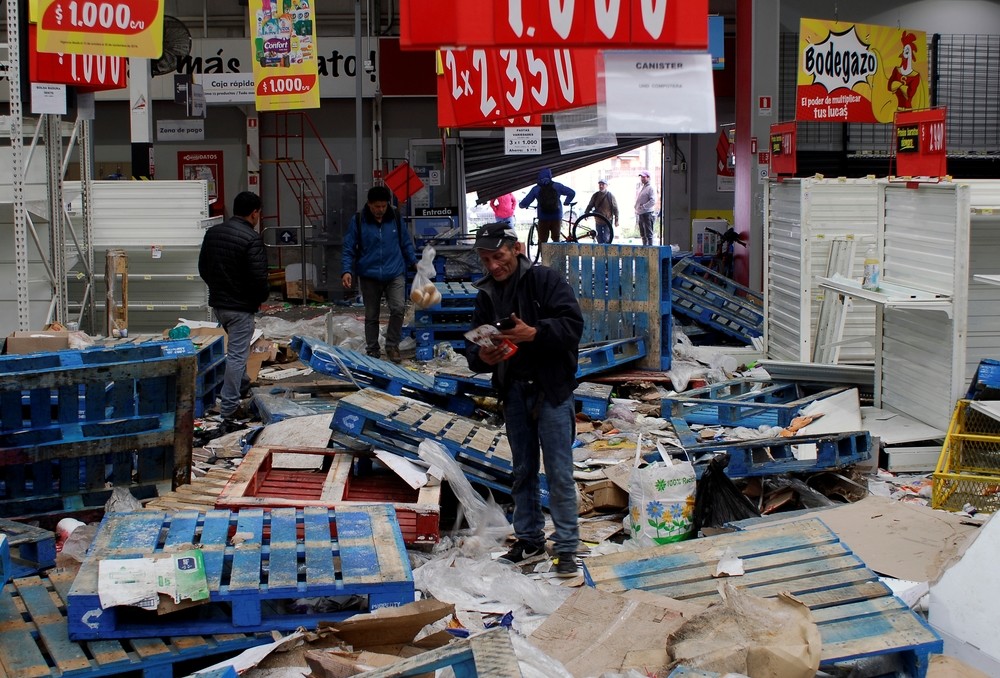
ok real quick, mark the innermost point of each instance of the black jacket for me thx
(234, 265)
(545, 301)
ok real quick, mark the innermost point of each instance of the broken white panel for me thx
(413, 475)
(893, 428)
(963, 603)
(841, 413)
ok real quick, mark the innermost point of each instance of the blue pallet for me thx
(399, 425)
(211, 373)
(987, 377)
(36, 639)
(609, 355)
(287, 554)
(96, 355)
(773, 456)
(87, 428)
(741, 402)
(6, 571)
(856, 614)
(623, 291)
(717, 302)
(274, 407)
(384, 375)
(30, 549)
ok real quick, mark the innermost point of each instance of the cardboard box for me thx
(607, 496)
(37, 342)
(261, 351)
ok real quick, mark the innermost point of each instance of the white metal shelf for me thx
(890, 295)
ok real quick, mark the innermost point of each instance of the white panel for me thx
(143, 213)
(784, 324)
(983, 339)
(918, 378)
(921, 241)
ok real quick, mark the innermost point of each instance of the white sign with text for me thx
(522, 140)
(659, 92)
(180, 130)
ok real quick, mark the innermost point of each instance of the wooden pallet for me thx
(68, 432)
(36, 640)
(341, 483)
(198, 495)
(282, 555)
(741, 402)
(857, 614)
(487, 655)
(398, 425)
(717, 302)
(623, 291)
(30, 549)
(772, 456)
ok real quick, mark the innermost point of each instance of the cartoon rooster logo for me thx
(905, 82)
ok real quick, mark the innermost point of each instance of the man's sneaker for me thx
(392, 352)
(230, 425)
(566, 565)
(521, 551)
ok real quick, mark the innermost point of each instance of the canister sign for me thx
(125, 28)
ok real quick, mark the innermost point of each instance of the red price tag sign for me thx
(491, 87)
(286, 84)
(86, 72)
(624, 24)
(126, 28)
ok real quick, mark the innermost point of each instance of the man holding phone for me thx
(535, 309)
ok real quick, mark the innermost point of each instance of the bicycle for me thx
(589, 227)
(722, 262)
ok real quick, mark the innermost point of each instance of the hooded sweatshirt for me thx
(545, 177)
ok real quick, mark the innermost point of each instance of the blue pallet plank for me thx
(36, 640)
(484, 655)
(398, 425)
(248, 593)
(6, 571)
(715, 301)
(856, 614)
(29, 549)
(741, 402)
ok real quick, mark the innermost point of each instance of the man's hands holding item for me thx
(520, 333)
(346, 280)
(500, 349)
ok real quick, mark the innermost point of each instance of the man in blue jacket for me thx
(536, 387)
(378, 250)
(233, 264)
(549, 211)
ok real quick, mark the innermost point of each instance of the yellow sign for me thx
(859, 72)
(124, 28)
(285, 68)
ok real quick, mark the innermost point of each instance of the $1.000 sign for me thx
(127, 28)
(484, 86)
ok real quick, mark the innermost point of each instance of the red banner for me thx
(783, 149)
(921, 145)
(87, 72)
(487, 87)
(624, 24)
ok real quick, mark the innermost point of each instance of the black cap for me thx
(492, 236)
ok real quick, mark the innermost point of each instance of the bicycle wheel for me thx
(531, 246)
(593, 228)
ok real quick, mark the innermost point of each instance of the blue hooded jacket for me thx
(380, 255)
(545, 177)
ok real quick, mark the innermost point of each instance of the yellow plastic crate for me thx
(968, 470)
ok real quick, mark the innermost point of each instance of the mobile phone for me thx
(505, 324)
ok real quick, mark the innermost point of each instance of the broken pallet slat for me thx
(483, 656)
(36, 640)
(30, 549)
(741, 402)
(856, 614)
(357, 551)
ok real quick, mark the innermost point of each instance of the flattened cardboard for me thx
(41, 341)
(389, 625)
(596, 631)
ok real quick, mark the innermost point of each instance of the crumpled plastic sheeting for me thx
(486, 519)
(472, 584)
(278, 329)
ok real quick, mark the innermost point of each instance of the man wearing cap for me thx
(645, 206)
(603, 202)
(535, 384)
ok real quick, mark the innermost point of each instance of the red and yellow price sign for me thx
(286, 64)
(493, 86)
(125, 28)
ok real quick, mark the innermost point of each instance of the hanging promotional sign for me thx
(621, 24)
(653, 92)
(921, 145)
(126, 28)
(859, 72)
(783, 158)
(508, 87)
(86, 72)
(207, 166)
(285, 66)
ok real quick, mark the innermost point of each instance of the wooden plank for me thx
(483, 439)
(19, 655)
(246, 574)
(435, 423)
(336, 480)
(459, 430)
(51, 625)
(318, 550)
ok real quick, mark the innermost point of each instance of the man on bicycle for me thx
(548, 209)
(603, 202)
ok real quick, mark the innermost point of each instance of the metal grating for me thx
(968, 84)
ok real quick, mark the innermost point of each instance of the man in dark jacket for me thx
(536, 386)
(378, 251)
(234, 265)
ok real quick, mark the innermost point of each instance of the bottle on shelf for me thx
(870, 281)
